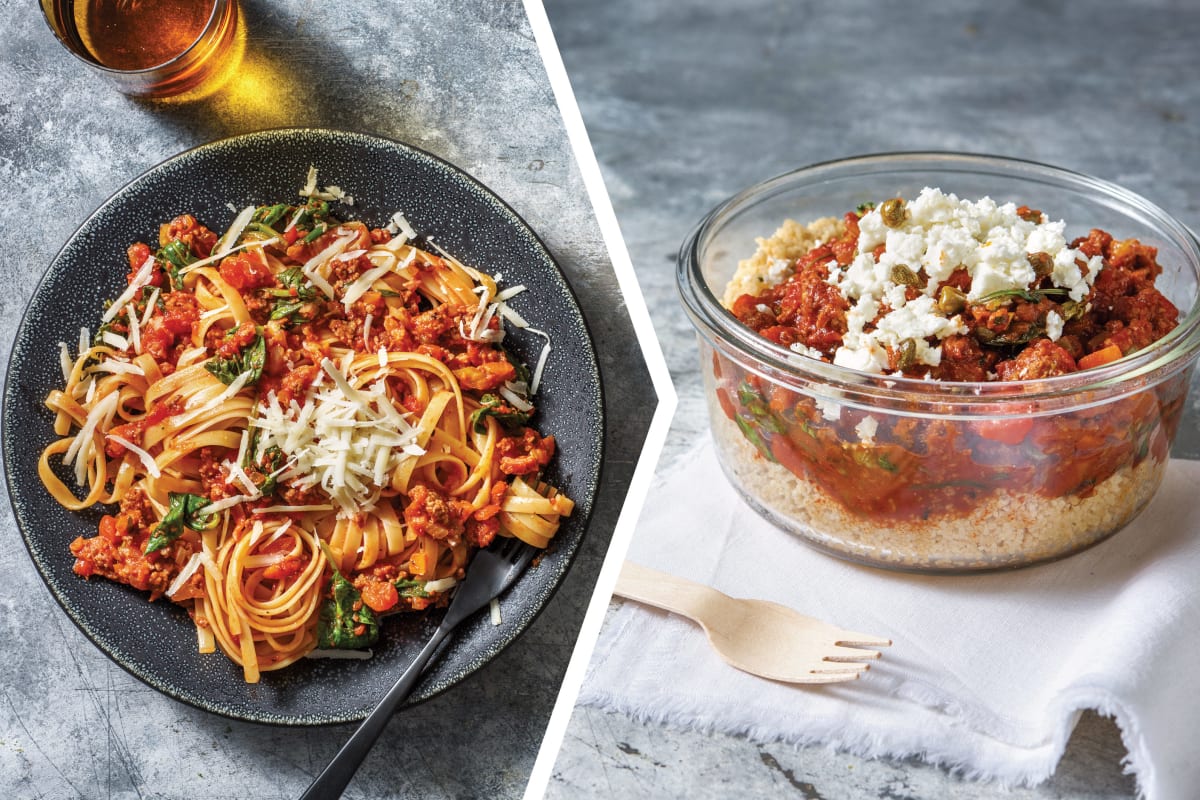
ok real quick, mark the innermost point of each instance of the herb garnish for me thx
(492, 405)
(345, 622)
(251, 359)
(181, 514)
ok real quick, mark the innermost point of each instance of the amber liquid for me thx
(140, 34)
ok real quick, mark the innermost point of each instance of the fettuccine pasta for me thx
(304, 424)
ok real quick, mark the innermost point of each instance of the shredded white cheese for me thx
(146, 459)
(64, 360)
(140, 279)
(228, 502)
(189, 569)
(235, 230)
(346, 439)
(440, 585)
(81, 447)
(204, 262)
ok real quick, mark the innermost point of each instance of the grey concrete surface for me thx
(689, 101)
(461, 79)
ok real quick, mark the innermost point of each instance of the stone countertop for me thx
(689, 101)
(462, 80)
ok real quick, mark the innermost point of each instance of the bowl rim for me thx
(1098, 385)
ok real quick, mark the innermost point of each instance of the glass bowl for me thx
(951, 476)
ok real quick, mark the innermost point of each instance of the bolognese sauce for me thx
(941, 289)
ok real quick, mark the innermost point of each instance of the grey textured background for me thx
(462, 80)
(689, 101)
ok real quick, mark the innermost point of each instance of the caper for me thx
(951, 300)
(903, 274)
(1071, 310)
(893, 213)
(908, 354)
(1042, 263)
(1030, 215)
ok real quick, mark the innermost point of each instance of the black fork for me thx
(492, 570)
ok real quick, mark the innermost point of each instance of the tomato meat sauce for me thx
(1085, 305)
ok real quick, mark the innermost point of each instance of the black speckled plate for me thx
(156, 641)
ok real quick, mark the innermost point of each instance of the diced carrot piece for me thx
(1105, 355)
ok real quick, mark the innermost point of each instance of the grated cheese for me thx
(235, 230)
(204, 262)
(64, 360)
(82, 444)
(150, 303)
(230, 390)
(228, 502)
(329, 192)
(116, 340)
(189, 569)
(135, 333)
(147, 459)
(144, 273)
(399, 224)
(541, 362)
(346, 439)
(117, 367)
(515, 399)
(440, 585)
(363, 284)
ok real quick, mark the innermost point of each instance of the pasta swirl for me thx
(305, 424)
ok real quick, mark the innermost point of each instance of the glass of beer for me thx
(149, 48)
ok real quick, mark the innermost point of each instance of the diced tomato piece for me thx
(284, 569)
(1006, 431)
(380, 595)
(242, 272)
(242, 335)
(110, 530)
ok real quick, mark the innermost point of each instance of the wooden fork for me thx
(757, 636)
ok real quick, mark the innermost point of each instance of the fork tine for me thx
(843, 653)
(509, 548)
(851, 639)
(853, 670)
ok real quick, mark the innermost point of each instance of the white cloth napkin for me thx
(987, 674)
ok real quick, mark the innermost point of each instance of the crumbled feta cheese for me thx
(940, 234)
(830, 409)
(1054, 326)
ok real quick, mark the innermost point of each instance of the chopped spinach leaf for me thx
(251, 359)
(345, 622)
(315, 233)
(285, 309)
(173, 257)
(269, 215)
(408, 587)
(180, 514)
(294, 278)
(493, 405)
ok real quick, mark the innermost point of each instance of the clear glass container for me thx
(954, 476)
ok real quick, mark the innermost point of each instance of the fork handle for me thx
(658, 589)
(337, 775)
